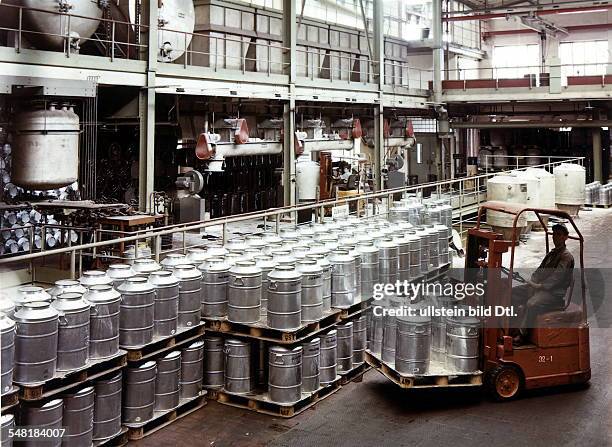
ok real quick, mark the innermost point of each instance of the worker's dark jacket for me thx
(555, 271)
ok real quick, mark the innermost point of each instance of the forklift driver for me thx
(547, 287)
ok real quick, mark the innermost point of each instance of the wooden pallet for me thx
(119, 440)
(159, 345)
(596, 205)
(426, 381)
(355, 374)
(261, 331)
(10, 399)
(65, 380)
(162, 419)
(355, 309)
(260, 402)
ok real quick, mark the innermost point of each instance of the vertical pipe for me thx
(438, 54)
(597, 154)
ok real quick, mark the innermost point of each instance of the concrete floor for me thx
(376, 412)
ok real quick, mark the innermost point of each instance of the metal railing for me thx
(522, 161)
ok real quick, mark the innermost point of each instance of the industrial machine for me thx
(558, 352)
(188, 205)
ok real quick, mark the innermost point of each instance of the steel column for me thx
(438, 53)
(289, 59)
(597, 154)
(379, 76)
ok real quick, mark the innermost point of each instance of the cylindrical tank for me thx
(312, 289)
(238, 377)
(351, 248)
(77, 417)
(311, 355)
(285, 374)
(343, 279)
(570, 180)
(432, 235)
(144, 267)
(360, 327)
(166, 308)
(65, 286)
(7, 342)
(413, 341)
(30, 294)
(345, 346)
(284, 297)
(51, 135)
(190, 291)
(35, 342)
(73, 334)
(213, 362)
(307, 178)
(533, 193)
(369, 268)
(215, 279)
(414, 244)
(244, 293)
(94, 278)
(172, 260)
(375, 332)
(403, 257)
(44, 416)
(7, 421)
(137, 312)
(167, 384)
(389, 338)
(107, 407)
(196, 256)
(119, 273)
(508, 189)
(325, 265)
(328, 361)
(266, 264)
(462, 351)
(103, 321)
(443, 236)
(192, 367)
(388, 260)
(139, 392)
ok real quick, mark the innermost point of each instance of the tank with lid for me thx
(323, 262)
(119, 273)
(166, 308)
(172, 260)
(167, 386)
(413, 341)
(107, 407)
(238, 374)
(94, 277)
(73, 333)
(139, 392)
(103, 320)
(144, 267)
(137, 313)
(312, 289)
(285, 374)
(190, 294)
(462, 343)
(215, 280)
(343, 279)
(284, 297)
(192, 369)
(7, 345)
(244, 292)
(64, 286)
(78, 416)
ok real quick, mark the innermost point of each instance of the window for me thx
(515, 61)
(583, 58)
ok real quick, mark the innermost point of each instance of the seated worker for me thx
(548, 285)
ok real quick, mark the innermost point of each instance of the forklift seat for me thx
(570, 314)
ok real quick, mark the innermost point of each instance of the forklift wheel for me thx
(505, 382)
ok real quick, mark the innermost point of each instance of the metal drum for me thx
(196, 256)
(144, 267)
(8, 422)
(139, 392)
(213, 362)
(403, 258)
(375, 332)
(30, 294)
(119, 273)
(343, 279)
(266, 264)
(167, 386)
(345, 347)
(216, 250)
(438, 328)
(94, 278)
(311, 355)
(65, 286)
(326, 277)
(360, 328)
(192, 366)
(413, 344)
(414, 247)
(285, 374)
(7, 345)
(312, 289)
(47, 416)
(423, 236)
(166, 307)
(35, 342)
(388, 260)
(215, 280)
(244, 293)
(78, 418)
(73, 334)
(357, 257)
(328, 362)
(443, 236)
(137, 312)
(284, 297)
(172, 260)
(432, 235)
(7, 307)
(107, 407)
(103, 321)
(190, 291)
(369, 268)
(389, 338)
(238, 377)
(462, 335)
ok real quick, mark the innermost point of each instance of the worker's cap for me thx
(560, 227)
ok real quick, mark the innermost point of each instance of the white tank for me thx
(570, 180)
(505, 188)
(533, 193)
(307, 178)
(547, 186)
(46, 148)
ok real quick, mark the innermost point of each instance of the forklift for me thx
(558, 349)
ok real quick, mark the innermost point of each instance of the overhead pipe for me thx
(574, 28)
(541, 12)
(534, 124)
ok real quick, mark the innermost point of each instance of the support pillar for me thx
(597, 155)
(379, 76)
(289, 59)
(438, 51)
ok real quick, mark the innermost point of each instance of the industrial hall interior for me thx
(282, 223)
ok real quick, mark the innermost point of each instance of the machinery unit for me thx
(188, 205)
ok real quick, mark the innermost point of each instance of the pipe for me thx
(541, 12)
(255, 148)
(541, 124)
(575, 28)
(438, 54)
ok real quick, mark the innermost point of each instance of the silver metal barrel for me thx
(167, 386)
(119, 273)
(7, 345)
(196, 256)
(438, 327)
(7, 421)
(462, 335)
(413, 344)
(343, 279)
(190, 295)
(311, 356)
(144, 267)
(443, 236)
(266, 264)
(432, 234)
(73, 335)
(369, 268)
(94, 278)
(284, 297)
(213, 362)
(29, 294)
(244, 294)
(285, 374)
(172, 260)
(215, 279)
(423, 236)
(351, 248)
(238, 377)
(139, 392)
(166, 307)
(35, 342)
(78, 418)
(375, 332)
(389, 338)
(360, 327)
(345, 346)
(329, 359)
(137, 312)
(388, 260)
(46, 416)
(403, 257)
(312, 289)
(107, 407)
(103, 321)
(414, 243)
(192, 365)
(323, 262)
(64, 286)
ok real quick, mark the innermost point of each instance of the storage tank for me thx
(509, 189)
(46, 148)
(547, 186)
(570, 180)
(533, 193)
(307, 178)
